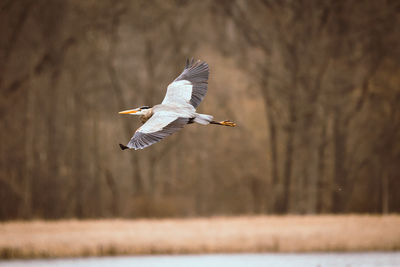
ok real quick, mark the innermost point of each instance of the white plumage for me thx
(179, 92)
(158, 121)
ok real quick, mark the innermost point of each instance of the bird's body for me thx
(176, 110)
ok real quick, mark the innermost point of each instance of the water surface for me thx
(231, 260)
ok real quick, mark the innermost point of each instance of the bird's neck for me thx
(146, 116)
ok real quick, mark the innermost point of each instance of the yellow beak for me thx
(129, 111)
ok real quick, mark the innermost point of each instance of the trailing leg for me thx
(224, 123)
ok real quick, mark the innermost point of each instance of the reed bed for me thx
(73, 238)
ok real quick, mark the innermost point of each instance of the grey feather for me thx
(196, 73)
(141, 140)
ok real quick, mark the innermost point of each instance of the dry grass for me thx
(202, 235)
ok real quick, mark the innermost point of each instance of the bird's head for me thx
(137, 111)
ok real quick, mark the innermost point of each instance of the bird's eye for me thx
(145, 107)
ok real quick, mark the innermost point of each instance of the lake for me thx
(231, 260)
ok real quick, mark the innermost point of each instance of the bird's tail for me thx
(203, 119)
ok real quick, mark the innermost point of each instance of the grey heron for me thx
(177, 109)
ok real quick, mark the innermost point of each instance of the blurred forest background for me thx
(314, 87)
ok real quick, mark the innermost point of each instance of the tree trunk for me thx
(339, 172)
(288, 164)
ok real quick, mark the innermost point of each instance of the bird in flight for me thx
(177, 109)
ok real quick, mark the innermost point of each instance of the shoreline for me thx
(193, 236)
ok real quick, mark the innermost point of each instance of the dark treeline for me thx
(313, 85)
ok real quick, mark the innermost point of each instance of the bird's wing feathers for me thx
(160, 125)
(191, 86)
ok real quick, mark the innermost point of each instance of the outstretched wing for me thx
(160, 125)
(191, 86)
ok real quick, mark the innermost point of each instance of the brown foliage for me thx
(312, 85)
(39, 239)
